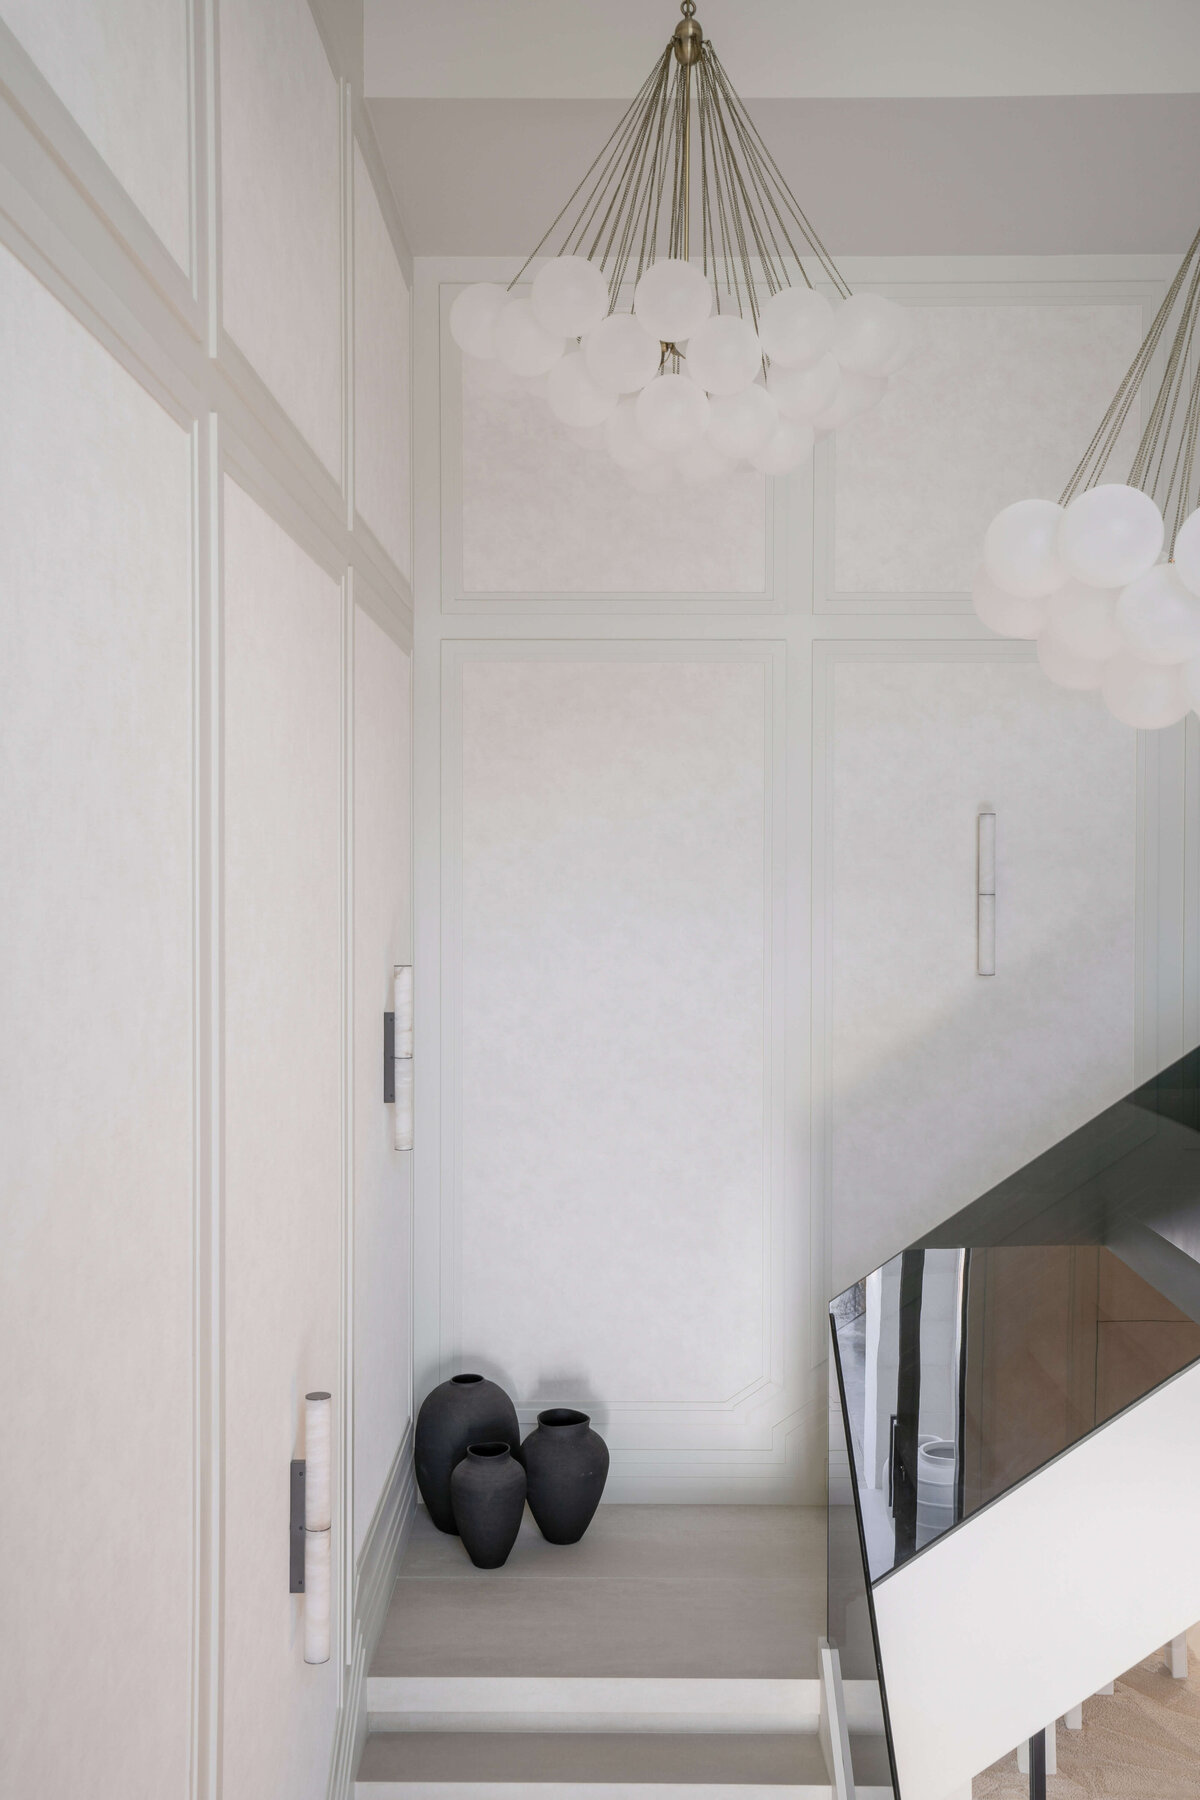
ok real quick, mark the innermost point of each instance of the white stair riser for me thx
(529, 1703)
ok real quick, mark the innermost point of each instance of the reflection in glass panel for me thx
(964, 1371)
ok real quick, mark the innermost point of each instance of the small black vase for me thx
(487, 1491)
(566, 1466)
(464, 1410)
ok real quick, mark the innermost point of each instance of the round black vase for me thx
(487, 1490)
(464, 1410)
(566, 1466)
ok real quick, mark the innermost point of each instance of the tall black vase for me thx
(566, 1466)
(464, 1410)
(487, 1491)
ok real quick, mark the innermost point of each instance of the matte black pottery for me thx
(487, 1491)
(566, 1466)
(464, 1410)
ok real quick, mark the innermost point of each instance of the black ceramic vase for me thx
(487, 1491)
(464, 1410)
(566, 1466)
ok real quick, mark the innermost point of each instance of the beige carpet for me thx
(1141, 1743)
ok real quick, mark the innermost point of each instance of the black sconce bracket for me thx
(296, 1578)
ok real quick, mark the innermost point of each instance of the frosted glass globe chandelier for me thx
(689, 370)
(1107, 579)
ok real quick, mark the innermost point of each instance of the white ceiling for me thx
(602, 49)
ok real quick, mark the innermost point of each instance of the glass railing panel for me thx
(964, 1371)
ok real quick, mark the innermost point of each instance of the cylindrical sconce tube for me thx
(402, 1003)
(318, 1457)
(317, 1593)
(985, 893)
(404, 1103)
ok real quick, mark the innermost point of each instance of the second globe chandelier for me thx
(691, 369)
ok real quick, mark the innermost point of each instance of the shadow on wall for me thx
(931, 1122)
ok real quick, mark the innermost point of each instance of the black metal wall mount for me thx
(389, 1059)
(296, 1533)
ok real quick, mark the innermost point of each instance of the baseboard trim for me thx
(374, 1578)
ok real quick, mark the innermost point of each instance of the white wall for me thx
(696, 791)
(204, 849)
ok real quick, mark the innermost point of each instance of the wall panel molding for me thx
(705, 1444)
(1143, 294)
(827, 658)
(66, 216)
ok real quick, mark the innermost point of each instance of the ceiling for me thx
(1020, 127)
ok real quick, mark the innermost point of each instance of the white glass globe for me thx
(855, 394)
(523, 345)
(795, 327)
(871, 334)
(724, 354)
(1003, 612)
(740, 424)
(1187, 552)
(701, 463)
(1020, 550)
(1159, 617)
(625, 443)
(1083, 620)
(473, 316)
(671, 412)
(569, 295)
(1063, 667)
(805, 393)
(573, 395)
(672, 300)
(621, 354)
(1110, 535)
(1146, 695)
(788, 446)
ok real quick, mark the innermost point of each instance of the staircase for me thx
(1019, 1424)
(505, 1684)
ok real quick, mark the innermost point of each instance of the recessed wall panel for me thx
(120, 67)
(382, 1174)
(945, 1081)
(612, 1218)
(96, 1067)
(281, 211)
(382, 386)
(283, 1154)
(996, 403)
(543, 513)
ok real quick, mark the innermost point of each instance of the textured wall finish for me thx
(95, 1064)
(382, 415)
(944, 1083)
(281, 211)
(612, 1106)
(997, 402)
(545, 514)
(382, 1175)
(121, 69)
(283, 1124)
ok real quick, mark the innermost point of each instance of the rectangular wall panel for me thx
(283, 1151)
(616, 1240)
(281, 211)
(544, 513)
(943, 1081)
(997, 403)
(382, 1174)
(121, 68)
(96, 1067)
(382, 384)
